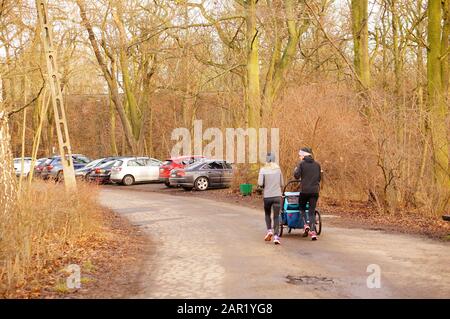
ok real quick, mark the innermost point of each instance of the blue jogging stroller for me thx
(290, 212)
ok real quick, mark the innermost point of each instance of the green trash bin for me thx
(246, 189)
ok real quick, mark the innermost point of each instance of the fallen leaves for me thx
(102, 258)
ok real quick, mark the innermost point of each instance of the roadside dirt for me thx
(117, 264)
(108, 265)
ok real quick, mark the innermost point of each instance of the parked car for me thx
(132, 170)
(177, 162)
(40, 165)
(54, 169)
(18, 166)
(203, 175)
(102, 173)
(83, 172)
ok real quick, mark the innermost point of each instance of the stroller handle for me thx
(292, 181)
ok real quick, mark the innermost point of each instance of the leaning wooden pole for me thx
(56, 94)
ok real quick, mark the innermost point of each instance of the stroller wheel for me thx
(318, 223)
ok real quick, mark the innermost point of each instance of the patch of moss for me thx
(88, 267)
(61, 287)
(86, 280)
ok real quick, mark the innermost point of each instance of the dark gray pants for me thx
(312, 199)
(272, 203)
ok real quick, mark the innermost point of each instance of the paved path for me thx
(207, 249)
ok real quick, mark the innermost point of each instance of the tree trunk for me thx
(50, 131)
(361, 40)
(134, 113)
(419, 31)
(110, 79)
(8, 189)
(437, 106)
(395, 44)
(280, 63)
(445, 54)
(253, 96)
(113, 128)
(43, 105)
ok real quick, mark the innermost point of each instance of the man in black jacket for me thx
(309, 173)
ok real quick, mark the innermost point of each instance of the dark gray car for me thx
(204, 175)
(83, 172)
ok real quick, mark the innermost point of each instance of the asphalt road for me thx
(207, 249)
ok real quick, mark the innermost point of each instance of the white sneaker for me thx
(276, 240)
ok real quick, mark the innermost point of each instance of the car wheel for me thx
(201, 183)
(60, 177)
(168, 184)
(128, 180)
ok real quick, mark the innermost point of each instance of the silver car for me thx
(26, 166)
(132, 170)
(54, 169)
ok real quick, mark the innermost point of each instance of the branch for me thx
(220, 31)
(335, 47)
(2, 7)
(220, 74)
(19, 109)
(183, 27)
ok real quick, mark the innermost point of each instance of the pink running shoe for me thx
(276, 240)
(268, 236)
(305, 233)
(313, 235)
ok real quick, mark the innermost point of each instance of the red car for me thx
(176, 162)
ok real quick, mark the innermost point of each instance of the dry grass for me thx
(48, 224)
(379, 156)
(325, 118)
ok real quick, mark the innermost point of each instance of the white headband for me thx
(303, 153)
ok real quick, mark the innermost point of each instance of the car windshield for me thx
(137, 162)
(19, 160)
(107, 164)
(154, 160)
(94, 163)
(82, 159)
(214, 165)
(194, 165)
(40, 161)
(118, 164)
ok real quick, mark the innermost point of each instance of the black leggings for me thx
(274, 202)
(312, 199)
